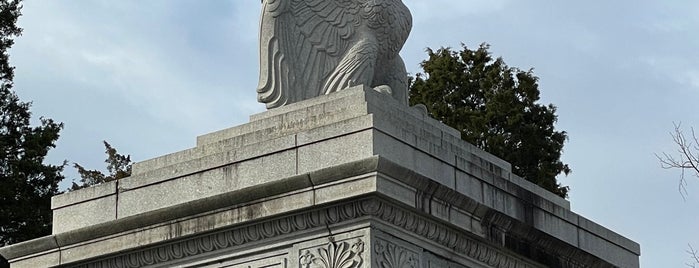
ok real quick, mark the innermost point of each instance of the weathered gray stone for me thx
(225, 155)
(414, 159)
(352, 92)
(48, 259)
(345, 189)
(469, 186)
(394, 109)
(339, 150)
(44, 245)
(440, 205)
(84, 214)
(312, 170)
(318, 134)
(607, 234)
(399, 191)
(599, 246)
(298, 117)
(90, 193)
(555, 226)
(207, 183)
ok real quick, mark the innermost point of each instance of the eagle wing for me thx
(301, 42)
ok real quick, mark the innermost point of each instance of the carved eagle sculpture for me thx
(313, 47)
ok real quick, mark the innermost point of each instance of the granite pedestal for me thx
(350, 179)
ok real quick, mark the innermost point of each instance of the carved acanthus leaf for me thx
(389, 255)
(334, 255)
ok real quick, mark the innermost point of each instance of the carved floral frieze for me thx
(390, 255)
(330, 255)
(334, 255)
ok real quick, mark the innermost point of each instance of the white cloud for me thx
(153, 66)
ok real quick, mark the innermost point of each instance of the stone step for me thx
(404, 123)
(340, 108)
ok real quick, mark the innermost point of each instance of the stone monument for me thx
(341, 174)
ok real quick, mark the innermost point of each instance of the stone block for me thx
(163, 161)
(49, 259)
(555, 226)
(210, 161)
(334, 130)
(235, 131)
(538, 191)
(473, 169)
(469, 186)
(399, 119)
(335, 151)
(268, 139)
(395, 189)
(514, 207)
(403, 154)
(207, 183)
(291, 119)
(36, 247)
(344, 189)
(217, 153)
(440, 209)
(83, 214)
(609, 235)
(415, 116)
(82, 195)
(461, 219)
(356, 92)
(493, 197)
(436, 169)
(607, 251)
(413, 132)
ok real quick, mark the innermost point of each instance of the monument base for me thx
(351, 179)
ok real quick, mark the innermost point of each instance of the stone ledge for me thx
(418, 192)
(296, 117)
(345, 145)
(608, 235)
(83, 195)
(417, 144)
(388, 116)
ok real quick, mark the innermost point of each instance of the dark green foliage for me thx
(495, 108)
(118, 166)
(26, 184)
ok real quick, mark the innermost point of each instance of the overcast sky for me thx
(149, 76)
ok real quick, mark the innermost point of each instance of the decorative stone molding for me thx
(332, 254)
(390, 255)
(471, 247)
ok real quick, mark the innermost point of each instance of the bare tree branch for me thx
(694, 254)
(686, 160)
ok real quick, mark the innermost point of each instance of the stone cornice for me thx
(375, 208)
(500, 229)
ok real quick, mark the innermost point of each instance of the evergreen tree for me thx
(495, 108)
(118, 166)
(26, 183)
